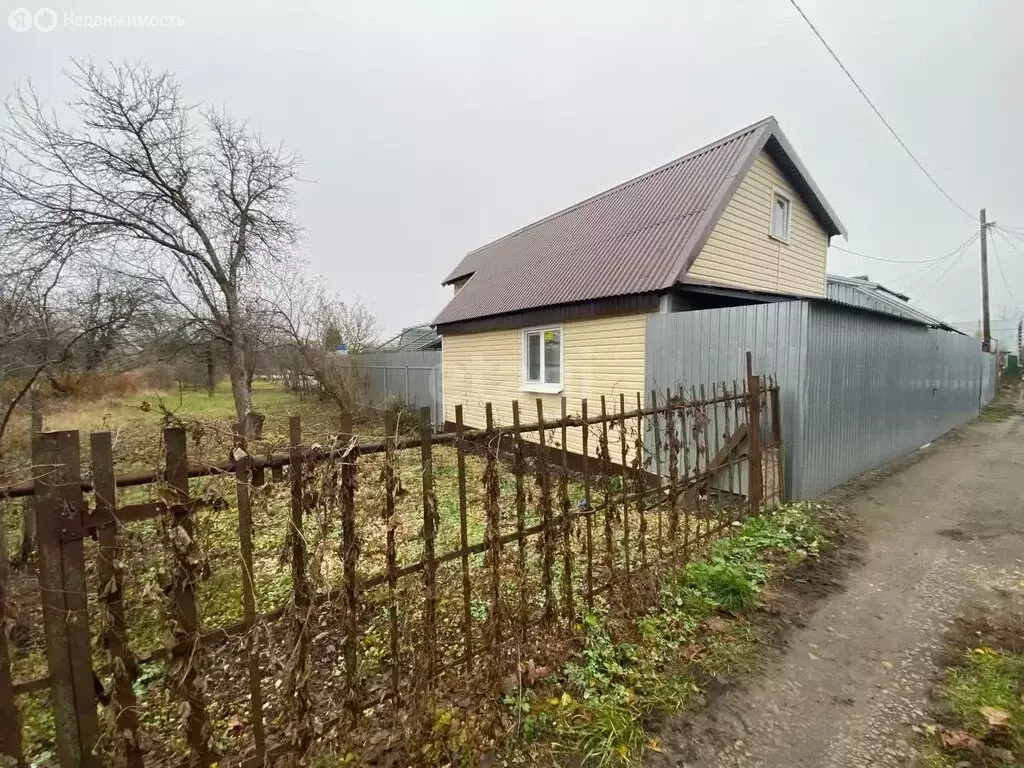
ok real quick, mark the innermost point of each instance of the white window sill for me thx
(784, 241)
(544, 389)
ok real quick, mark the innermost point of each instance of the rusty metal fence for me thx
(393, 600)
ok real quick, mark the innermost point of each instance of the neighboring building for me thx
(558, 308)
(416, 338)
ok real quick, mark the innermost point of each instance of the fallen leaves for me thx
(998, 719)
(956, 740)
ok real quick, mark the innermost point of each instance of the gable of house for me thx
(740, 251)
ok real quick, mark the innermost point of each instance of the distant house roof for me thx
(412, 339)
(860, 291)
(638, 237)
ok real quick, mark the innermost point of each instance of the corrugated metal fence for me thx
(411, 377)
(858, 389)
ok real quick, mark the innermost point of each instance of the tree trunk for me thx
(251, 423)
(211, 372)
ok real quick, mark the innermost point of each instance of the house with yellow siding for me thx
(558, 309)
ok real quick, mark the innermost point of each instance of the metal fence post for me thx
(59, 507)
(755, 480)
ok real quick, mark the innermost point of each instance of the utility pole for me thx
(986, 325)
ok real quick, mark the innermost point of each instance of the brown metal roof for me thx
(638, 237)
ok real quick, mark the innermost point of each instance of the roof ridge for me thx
(636, 179)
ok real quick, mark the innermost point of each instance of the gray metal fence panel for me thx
(876, 390)
(989, 381)
(412, 377)
(708, 346)
(857, 389)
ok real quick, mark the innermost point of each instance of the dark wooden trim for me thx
(611, 306)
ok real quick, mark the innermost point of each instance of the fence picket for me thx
(429, 555)
(544, 501)
(350, 559)
(186, 658)
(754, 441)
(10, 719)
(623, 450)
(640, 483)
(124, 666)
(467, 593)
(301, 730)
(58, 484)
(609, 497)
(492, 539)
(672, 440)
(587, 507)
(777, 439)
(391, 554)
(563, 490)
(519, 470)
(243, 482)
(687, 501)
(656, 432)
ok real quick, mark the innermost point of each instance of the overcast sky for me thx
(429, 128)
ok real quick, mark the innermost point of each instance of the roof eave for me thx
(782, 152)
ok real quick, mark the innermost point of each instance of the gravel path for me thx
(940, 532)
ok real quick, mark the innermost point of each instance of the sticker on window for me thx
(550, 337)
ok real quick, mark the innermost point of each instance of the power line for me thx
(1000, 264)
(895, 261)
(877, 112)
(937, 261)
(1002, 274)
(1004, 231)
(926, 292)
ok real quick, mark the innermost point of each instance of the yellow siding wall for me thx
(601, 357)
(740, 253)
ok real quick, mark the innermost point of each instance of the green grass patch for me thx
(595, 709)
(1003, 404)
(984, 725)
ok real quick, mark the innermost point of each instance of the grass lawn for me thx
(136, 420)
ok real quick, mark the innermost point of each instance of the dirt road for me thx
(942, 531)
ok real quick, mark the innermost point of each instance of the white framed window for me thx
(781, 215)
(542, 359)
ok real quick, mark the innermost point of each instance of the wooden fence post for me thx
(58, 490)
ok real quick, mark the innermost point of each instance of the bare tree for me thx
(190, 199)
(312, 323)
(356, 324)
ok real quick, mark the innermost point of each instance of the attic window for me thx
(780, 217)
(542, 359)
